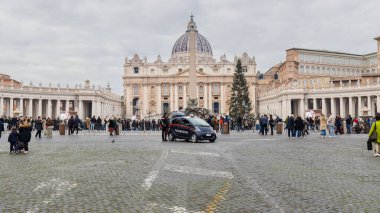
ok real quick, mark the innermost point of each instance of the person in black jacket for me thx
(70, 123)
(1, 126)
(25, 134)
(77, 122)
(164, 127)
(13, 139)
(38, 126)
(290, 126)
(298, 126)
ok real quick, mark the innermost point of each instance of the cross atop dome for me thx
(191, 25)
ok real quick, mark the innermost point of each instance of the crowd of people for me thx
(21, 128)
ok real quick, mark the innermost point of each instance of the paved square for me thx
(238, 173)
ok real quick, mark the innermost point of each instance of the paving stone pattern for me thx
(238, 173)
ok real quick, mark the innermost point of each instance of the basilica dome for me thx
(183, 43)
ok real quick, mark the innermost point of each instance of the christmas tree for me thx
(240, 103)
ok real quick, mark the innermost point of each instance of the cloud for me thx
(70, 41)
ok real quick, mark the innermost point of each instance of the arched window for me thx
(276, 76)
(302, 69)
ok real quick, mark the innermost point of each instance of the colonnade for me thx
(354, 105)
(45, 107)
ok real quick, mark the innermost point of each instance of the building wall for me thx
(323, 81)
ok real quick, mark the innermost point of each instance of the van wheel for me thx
(194, 138)
(212, 140)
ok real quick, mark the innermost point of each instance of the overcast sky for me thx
(69, 41)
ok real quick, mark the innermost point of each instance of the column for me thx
(93, 108)
(99, 108)
(324, 108)
(350, 107)
(341, 107)
(378, 104)
(288, 107)
(359, 106)
(333, 106)
(373, 108)
(176, 97)
(302, 107)
(171, 92)
(39, 107)
(22, 106)
(145, 106)
(210, 97)
(11, 107)
(315, 103)
(67, 106)
(80, 109)
(283, 109)
(205, 96)
(158, 97)
(30, 111)
(222, 101)
(49, 109)
(369, 105)
(185, 96)
(1, 106)
(58, 108)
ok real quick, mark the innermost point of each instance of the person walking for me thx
(271, 124)
(348, 123)
(25, 134)
(164, 127)
(1, 126)
(298, 126)
(70, 123)
(77, 122)
(38, 126)
(290, 126)
(330, 125)
(323, 125)
(376, 128)
(49, 128)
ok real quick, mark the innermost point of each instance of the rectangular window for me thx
(136, 70)
(152, 70)
(136, 89)
(215, 70)
(165, 70)
(165, 89)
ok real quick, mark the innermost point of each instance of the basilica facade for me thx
(152, 88)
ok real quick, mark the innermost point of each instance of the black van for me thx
(191, 129)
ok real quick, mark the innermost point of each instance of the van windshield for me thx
(198, 122)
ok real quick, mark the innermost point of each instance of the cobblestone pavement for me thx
(237, 173)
